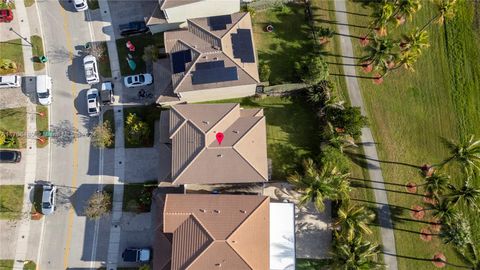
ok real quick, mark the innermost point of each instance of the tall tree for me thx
(443, 211)
(466, 153)
(380, 53)
(357, 254)
(318, 185)
(382, 15)
(446, 10)
(467, 194)
(436, 184)
(404, 9)
(352, 219)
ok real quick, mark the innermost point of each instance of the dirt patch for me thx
(417, 212)
(439, 260)
(426, 234)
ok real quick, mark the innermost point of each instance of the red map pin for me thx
(219, 137)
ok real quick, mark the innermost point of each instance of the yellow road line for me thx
(75, 144)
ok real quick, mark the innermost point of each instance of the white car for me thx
(138, 80)
(91, 69)
(10, 81)
(44, 88)
(93, 102)
(80, 5)
(48, 199)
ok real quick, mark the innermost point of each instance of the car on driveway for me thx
(93, 103)
(133, 28)
(106, 93)
(44, 89)
(10, 81)
(91, 69)
(48, 199)
(10, 156)
(6, 15)
(138, 80)
(80, 5)
(137, 255)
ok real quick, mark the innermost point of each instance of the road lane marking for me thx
(75, 144)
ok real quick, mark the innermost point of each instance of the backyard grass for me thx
(12, 50)
(148, 114)
(140, 42)
(138, 197)
(14, 121)
(292, 131)
(108, 116)
(11, 201)
(42, 123)
(410, 113)
(284, 46)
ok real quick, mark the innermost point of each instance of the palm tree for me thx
(357, 254)
(405, 9)
(443, 211)
(321, 92)
(457, 231)
(380, 54)
(436, 184)
(446, 10)
(382, 15)
(352, 219)
(319, 185)
(414, 41)
(467, 194)
(466, 153)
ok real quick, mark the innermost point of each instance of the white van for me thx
(10, 81)
(44, 89)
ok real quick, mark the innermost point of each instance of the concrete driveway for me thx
(143, 164)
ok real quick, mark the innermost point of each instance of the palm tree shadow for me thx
(426, 260)
(363, 185)
(361, 160)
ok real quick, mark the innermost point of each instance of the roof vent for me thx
(216, 211)
(235, 131)
(243, 211)
(203, 210)
(206, 122)
(215, 58)
(218, 265)
(219, 155)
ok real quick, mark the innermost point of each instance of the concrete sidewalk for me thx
(374, 169)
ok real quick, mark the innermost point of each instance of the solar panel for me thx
(209, 65)
(214, 75)
(179, 59)
(242, 46)
(219, 22)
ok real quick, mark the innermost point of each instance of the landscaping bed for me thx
(141, 132)
(14, 123)
(12, 50)
(138, 197)
(140, 42)
(11, 201)
(108, 116)
(42, 123)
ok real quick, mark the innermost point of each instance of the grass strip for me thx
(11, 201)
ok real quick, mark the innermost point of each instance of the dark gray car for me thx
(10, 156)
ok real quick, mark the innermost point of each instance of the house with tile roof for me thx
(205, 232)
(198, 157)
(213, 58)
(173, 14)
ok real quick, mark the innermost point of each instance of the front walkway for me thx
(374, 169)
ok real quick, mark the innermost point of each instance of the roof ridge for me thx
(233, 24)
(208, 31)
(181, 125)
(248, 216)
(186, 72)
(221, 118)
(239, 67)
(189, 164)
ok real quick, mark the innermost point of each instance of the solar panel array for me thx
(179, 59)
(213, 72)
(243, 46)
(219, 22)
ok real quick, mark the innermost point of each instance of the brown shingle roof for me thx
(209, 231)
(175, 3)
(209, 45)
(198, 158)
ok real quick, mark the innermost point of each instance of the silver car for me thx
(48, 199)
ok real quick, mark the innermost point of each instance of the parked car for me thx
(10, 81)
(106, 93)
(137, 254)
(138, 80)
(80, 5)
(10, 156)
(93, 103)
(48, 199)
(44, 89)
(133, 28)
(6, 15)
(91, 69)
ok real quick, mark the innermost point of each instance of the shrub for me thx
(333, 155)
(349, 119)
(249, 9)
(99, 204)
(264, 71)
(8, 65)
(151, 53)
(325, 32)
(102, 135)
(311, 69)
(10, 140)
(2, 137)
(136, 129)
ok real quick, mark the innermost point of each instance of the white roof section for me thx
(282, 236)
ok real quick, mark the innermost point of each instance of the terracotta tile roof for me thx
(211, 231)
(207, 45)
(198, 158)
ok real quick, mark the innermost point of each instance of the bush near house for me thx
(11, 58)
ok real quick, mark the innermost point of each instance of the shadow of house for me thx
(75, 71)
(29, 88)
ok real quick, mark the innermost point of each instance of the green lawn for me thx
(311, 264)
(108, 116)
(104, 61)
(148, 114)
(30, 266)
(11, 201)
(37, 51)
(6, 264)
(29, 3)
(411, 111)
(140, 42)
(281, 48)
(14, 121)
(137, 197)
(42, 123)
(292, 131)
(12, 50)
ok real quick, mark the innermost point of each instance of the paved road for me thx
(374, 170)
(68, 239)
